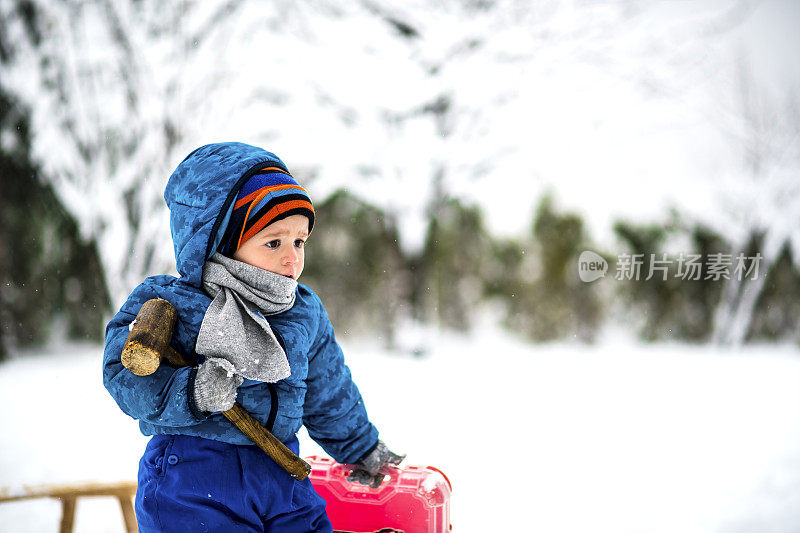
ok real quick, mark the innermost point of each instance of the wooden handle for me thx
(148, 344)
(149, 337)
(295, 466)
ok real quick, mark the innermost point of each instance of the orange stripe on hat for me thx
(261, 193)
(270, 216)
(265, 190)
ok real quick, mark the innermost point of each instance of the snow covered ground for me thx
(619, 437)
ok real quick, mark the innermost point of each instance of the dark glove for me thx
(367, 470)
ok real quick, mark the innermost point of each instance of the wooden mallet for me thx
(148, 344)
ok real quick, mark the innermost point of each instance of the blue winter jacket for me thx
(319, 392)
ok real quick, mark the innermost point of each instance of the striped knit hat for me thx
(267, 197)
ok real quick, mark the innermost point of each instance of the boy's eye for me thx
(275, 243)
(299, 243)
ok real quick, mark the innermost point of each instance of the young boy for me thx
(239, 224)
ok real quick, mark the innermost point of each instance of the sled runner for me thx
(413, 500)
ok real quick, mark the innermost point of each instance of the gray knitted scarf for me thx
(234, 327)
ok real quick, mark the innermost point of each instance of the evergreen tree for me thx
(451, 269)
(354, 262)
(680, 306)
(545, 298)
(47, 273)
(777, 311)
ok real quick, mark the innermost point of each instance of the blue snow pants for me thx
(194, 484)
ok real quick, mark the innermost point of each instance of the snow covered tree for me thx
(763, 198)
(382, 97)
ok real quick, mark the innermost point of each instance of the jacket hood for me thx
(200, 196)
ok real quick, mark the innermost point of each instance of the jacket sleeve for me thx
(162, 398)
(334, 412)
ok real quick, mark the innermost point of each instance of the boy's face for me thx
(278, 247)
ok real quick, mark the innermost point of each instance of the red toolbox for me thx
(412, 500)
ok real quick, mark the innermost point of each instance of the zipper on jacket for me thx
(273, 391)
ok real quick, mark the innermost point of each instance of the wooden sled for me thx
(69, 494)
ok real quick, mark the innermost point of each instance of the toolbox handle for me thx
(449, 485)
(394, 471)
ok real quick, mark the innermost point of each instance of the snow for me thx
(621, 109)
(617, 437)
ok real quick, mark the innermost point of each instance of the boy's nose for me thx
(291, 257)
